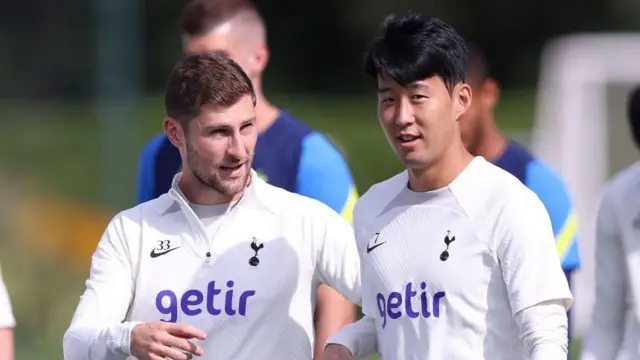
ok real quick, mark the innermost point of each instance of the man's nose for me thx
(404, 113)
(236, 146)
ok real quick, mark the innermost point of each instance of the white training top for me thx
(6, 312)
(460, 273)
(254, 296)
(614, 332)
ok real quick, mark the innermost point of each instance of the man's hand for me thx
(160, 340)
(337, 352)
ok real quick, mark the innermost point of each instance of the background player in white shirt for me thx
(7, 322)
(614, 332)
(224, 265)
(458, 256)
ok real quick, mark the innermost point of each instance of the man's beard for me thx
(212, 179)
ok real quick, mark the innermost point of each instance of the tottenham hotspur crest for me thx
(447, 241)
(254, 260)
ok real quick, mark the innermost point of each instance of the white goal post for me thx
(580, 129)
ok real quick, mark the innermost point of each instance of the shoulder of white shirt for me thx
(482, 182)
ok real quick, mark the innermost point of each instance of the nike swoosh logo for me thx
(155, 254)
(370, 249)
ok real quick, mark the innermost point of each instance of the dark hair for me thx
(200, 16)
(414, 47)
(633, 112)
(204, 79)
(477, 65)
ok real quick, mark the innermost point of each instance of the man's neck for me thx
(441, 174)
(493, 143)
(197, 193)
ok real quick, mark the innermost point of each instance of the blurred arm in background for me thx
(324, 175)
(6, 343)
(7, 322)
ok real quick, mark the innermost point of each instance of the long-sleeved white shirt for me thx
(151, 265)
(469, 271)
(6, 311)
(614, 332)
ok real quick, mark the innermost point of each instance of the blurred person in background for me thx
(7, 322)
(482, 137)
(289, 154)
(614, 332)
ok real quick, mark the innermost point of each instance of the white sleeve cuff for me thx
(124, 335)
(359, 337)
(8, 323)
(543, 330)
(88, 342)
(548, 352)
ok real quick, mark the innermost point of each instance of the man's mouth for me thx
(231, 167)
(407, 138)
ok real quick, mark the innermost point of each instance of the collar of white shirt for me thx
(257, 195)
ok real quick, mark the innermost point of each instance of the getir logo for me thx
(194, 302)
(391, 307)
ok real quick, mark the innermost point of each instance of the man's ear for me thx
(490, 93)
(258, 60)
(462, 100)
(175, 132)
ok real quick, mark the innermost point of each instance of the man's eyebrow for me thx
(249, 120)
(419, 85)
(416, 85)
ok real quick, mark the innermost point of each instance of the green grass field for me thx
(54, 148)
(56, 143)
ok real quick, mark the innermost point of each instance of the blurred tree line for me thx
(48, 49)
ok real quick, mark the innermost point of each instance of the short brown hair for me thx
(204, 79)
(200, 16)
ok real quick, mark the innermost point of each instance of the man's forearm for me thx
(333, 311)
(6, 344)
